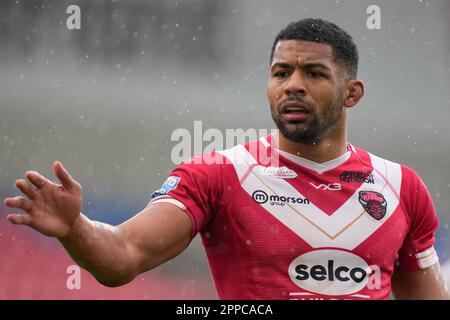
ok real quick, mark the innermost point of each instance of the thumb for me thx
(63, 175)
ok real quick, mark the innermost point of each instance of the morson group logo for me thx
(374, 203)
(333, 272)
(262, 197)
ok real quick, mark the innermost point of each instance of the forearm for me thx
(424, 284)
(101, 249)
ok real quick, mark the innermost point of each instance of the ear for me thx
(353, 93)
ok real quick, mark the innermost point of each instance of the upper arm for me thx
(176, 212)
(417, 251)
(423, 284)
(418, 273)
(155, 235)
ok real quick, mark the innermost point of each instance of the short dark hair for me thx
(322, 31)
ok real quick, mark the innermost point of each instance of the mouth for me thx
(294, 111)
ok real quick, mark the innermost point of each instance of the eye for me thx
(281, 74)
(314, 74)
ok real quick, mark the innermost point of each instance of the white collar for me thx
(318, 167)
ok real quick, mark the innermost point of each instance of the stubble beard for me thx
(309, 133)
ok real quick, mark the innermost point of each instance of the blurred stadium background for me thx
(105, 99)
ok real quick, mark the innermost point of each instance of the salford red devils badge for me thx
(374, 203)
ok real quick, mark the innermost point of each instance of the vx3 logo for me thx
(329, 186)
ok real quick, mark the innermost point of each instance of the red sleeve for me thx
(417, 251)
(197, 188)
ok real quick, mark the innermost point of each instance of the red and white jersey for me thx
(277, 226)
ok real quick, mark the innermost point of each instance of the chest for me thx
(351, 211)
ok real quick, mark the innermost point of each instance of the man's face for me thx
(305, 90)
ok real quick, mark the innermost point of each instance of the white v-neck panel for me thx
(318, 167)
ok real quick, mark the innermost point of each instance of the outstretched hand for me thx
(49, 208)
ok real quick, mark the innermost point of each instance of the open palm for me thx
(49, 208)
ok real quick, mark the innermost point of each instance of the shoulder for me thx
(227, 158)
(215, 165)
(410, 176)
(406, 181)
(387, 171)
(375, 160)
(218, 159)
(389, 168)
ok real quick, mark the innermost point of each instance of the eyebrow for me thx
(308, 65)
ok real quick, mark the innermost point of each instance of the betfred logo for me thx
(332, 272)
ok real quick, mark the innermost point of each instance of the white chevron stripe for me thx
(265, 142)
(241, 159)
(387, 169)
(347, 227)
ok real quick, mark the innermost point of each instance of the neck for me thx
(326, 149)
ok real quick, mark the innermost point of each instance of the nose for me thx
(295, 85)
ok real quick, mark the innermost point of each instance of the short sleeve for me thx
(418, 251)
(195, 187)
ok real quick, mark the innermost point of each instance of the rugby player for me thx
(300, 214)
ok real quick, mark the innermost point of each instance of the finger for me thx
(15, 218)
(37, 179)
(19, 202)
(26, 188)
(63, 175)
